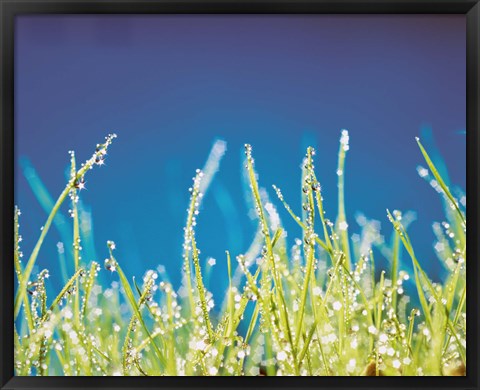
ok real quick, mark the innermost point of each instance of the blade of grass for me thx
(268, 244)
(440, 181)
(88, 287)
(33, 257)
(133, 304)
(342, 219)
(19, 270)
(421, 294)
(63, 292)
(76, 239)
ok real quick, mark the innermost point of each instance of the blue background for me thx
(170, 85)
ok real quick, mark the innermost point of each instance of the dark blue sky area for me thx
(170, 85)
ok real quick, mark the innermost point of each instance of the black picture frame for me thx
(9, 9)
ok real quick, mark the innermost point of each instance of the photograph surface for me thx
(240, 195)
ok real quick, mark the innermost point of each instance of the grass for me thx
(317, 308)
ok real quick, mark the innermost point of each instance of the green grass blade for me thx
(22, 289)
(64, 291)
(136, 310)
(440, 181)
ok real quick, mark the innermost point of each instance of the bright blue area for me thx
(170, 85)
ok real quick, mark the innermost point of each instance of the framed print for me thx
(271, 191)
